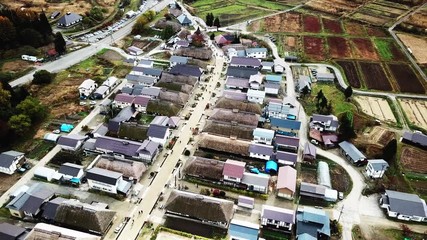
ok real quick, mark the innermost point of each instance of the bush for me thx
(42, 77)
(187, 152)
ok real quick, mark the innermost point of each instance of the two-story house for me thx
(9, 161)
(263, 136)
(260, 53)
(260, 151)
(277, 218)
(233, 170)
(86, 88)
(107, 181)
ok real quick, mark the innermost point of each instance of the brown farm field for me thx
(375, 76)
(314, 48)
(377, 108)
(414, 159)
(350, 71)
(334, 7)
(312, 24)
(275, 23)
(417, 45)
(364, 49)
(354, 29)
(332, 26)
(338, 47)
(416, 111)
(406, 78)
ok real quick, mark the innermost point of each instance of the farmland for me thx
(374, 76)
(406, 78)
(339, 47)
(416, 112)
(313, 46)
(312, 24)
(364, 49)
(332, 26)
(388, 50)
(414, 159)
(376, 107)
(234, 11)
(417, 46)
(351, 73)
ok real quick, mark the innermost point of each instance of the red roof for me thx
(234, 168)
(287, 178)
(122, 97)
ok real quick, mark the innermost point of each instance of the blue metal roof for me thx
(284, 123)
(243, 232)
(273, 78)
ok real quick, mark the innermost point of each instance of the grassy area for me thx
(357, 233)
(146, 119)
(334, 95)
(38, 149)
(397, 234)
(273, 235)
(384, 50)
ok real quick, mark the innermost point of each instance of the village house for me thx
(150, 72)
(278, 66)
(107, 181)
(152, 92)
(131, 170)
(242, 230)
(174, 60)
(255, 96)
(123, 100)
(267, 66)
(148, 150)
(376, 168)
(289, 126)
(204, 168)
(241, 72)
(187, 70)
(276, 109)
(255, 81)
(146, 63)
(286, 182)
(277, 218)
(132, 50)
(171, 122)
(12, 232)
(324, 123)
(256, 182)
(234, 95)
(198, 208)
(404, 206)
(224, 39)
(272, 88)
(68, 20)
(10, 160)
(141, 103)
(245, 62)
(71, 142)
(261, 151)
(318, 191)
(325, 77)
(287, 143)
(184, 20)
(309, 153)
(119, 147)
(237, 83)
(351, 153)
(158, 133)
(263, 136)
(28, 203)
(260, 53)
(101, 92)
(273, 78)
(233, 170)
(93, 218)
(417, 138)
(48, 231)
(86, 88)
(312, 223)
(245, 202)
(286, 158)
(133, 80)
(71, 172)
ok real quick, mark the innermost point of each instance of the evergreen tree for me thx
(216, 22)
(348, 92)
(209, 19)
(167, 32)
(346, 128)
(389, 151)
(320, 95)
(59, 43)
(212, 37)
(305, 91)
(323, 103)
(45, 27)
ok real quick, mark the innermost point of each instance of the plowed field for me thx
(311, 24)
(350, 71)
(406, 78)
(374, 76)
(364, 49)
(338, 47)
(277, 23)
(414, 159)
(332, 26)
(354, 29)
(313, 47)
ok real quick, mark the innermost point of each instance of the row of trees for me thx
(141, 23)
(23, 27)
(211, 20)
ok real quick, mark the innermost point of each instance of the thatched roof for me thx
(200, 207)
(184, 33)
(162, 23)
(204, 168)
(133, 131)
(223, 144)
(199, 53)
(174, 97)
(230, 116)
(84, 217)
(242, 106)
(229, 130)
(171, 78)
(129, 169)
(164, 108)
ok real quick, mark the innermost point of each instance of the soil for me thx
(335, 7)
(6, 181)
(376, 32)
(313, 47)
(406, 78)
(111, 55)
(16, 66)
(308, 175)
(417, 45)
(332, 26)
(275, 23)
(338, 47)
(376, 107)
(312, 24)
(350, 71)
(414, 159)
(416, 111)
(339, 179)
(354, 29)
(146, 45)
(364, 49)
(374, 76)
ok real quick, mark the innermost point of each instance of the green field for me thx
(235, 11)
(384, 48)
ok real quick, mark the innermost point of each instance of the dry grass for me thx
(223, 144)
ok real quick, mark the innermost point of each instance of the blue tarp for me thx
(66, 127)
(255, 170)
(75, 180)
(271, 165)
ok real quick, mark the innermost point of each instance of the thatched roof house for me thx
(223, 144)
(229, 130)
(84, 217)
(162, 23)
(184, 33)
(234, 116)
(199, 53)
(174, 97)
(133, 131)
(129, 169)
(241, 106)
(164, 108)
(205, 168)
(171, 78)
(198, 207)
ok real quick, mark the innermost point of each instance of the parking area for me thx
(101, 34)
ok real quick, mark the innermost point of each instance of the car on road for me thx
(118, 228)
(92, 103)
(340, 195)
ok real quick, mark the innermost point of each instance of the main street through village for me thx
(349, 211)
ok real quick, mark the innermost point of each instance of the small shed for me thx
(134, 50)
(51, 137)
(323, 175)
(246, 202)
(46, 173)
(271, 167)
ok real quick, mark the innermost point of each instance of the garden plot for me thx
(388, 50)
(406, 78)
(417, 46)
(350, 71)
(314, 48)
(374, 76)
(414, 159)
(335, 7)
(416, 111)
(376, 107)
(275, 24)
(364, 49)
(339, 47)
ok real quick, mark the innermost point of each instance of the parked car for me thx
(118, 228)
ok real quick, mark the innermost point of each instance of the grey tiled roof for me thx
(149, 147)
(243, 61)
(406, 204)
(151, 91)
(69, 18)
(352, 151)
(70, 169)
(49, 208)
(278, 214)
(416, 137)
(186, 70)
(10, 232)
(70, 140)
(178, 59)
(261, 149)
(157, 131)
(256, 179)
(116, 145)
(241, 72)
(103, 175)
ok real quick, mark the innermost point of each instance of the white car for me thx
(118, 228)
(92, 103)
(82, 103)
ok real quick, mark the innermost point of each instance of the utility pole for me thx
(340, 213)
